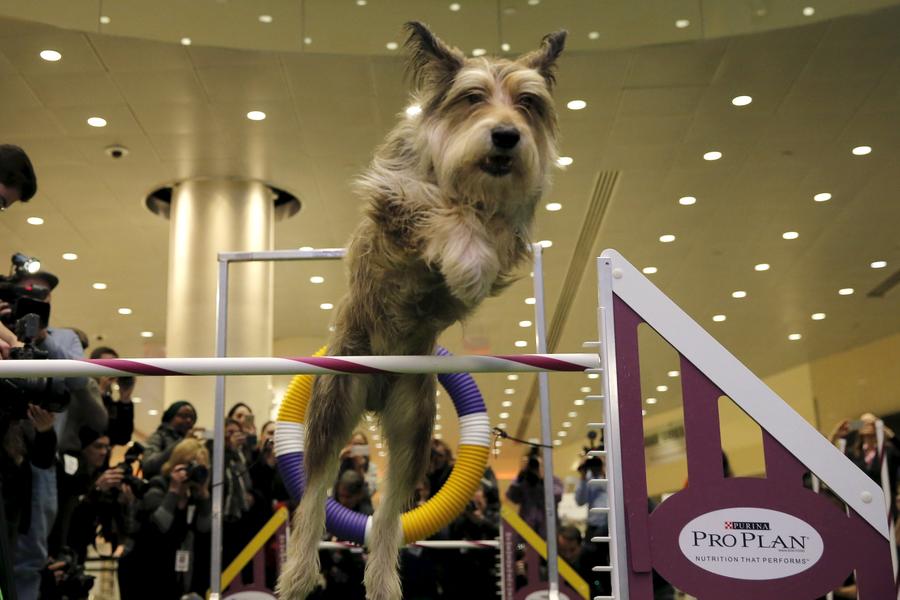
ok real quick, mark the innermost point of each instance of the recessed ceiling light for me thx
(529, 300)
(413, 110)
(817, 316)
(739, 294)
(562, 434)
(504, 415)
(741, 100)
(500, 426)
(652, 400)
(50, 55)
(305, 248)
(822, 197)
(362, 2)
(316, 279)
(70, 256)
(534, 2)
(382, 453)
(576, 104)
(521, 343)
(649, 270)
(687, 200)
(845, 291)
(256, 115)
(146, 334)
(790, 235)
(307, 40)
(761, 267)
(643, 413)
(104, 20)
(392, 45)
(479, 52)
(808, 11)
(557, 442)
(794, 337)
(573, 414)
(137, 400)
(662, 388)
(379, 445)
(125, 311)
(438, 427)
(34, 221)
(862, 150)
(99, 286)
(567, 424)
(672, 373)
(152, 412)
(585, 389)
(326, 306)
(513, 377)
(546, 243)
(879, 264)
(505, 47)
(525, 323)
(186, 41)
(265, 18)
(506, 403)
(579, 402)
(682, 23)
(712, 155)
(594, 35)
(553, 206)
(96, 122)
(719, 318)
(455, 7)
(593, 375)
(666, 238)
(509, 391)
(565, 161)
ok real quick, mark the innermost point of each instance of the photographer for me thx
(177, 422)
(594, 496)
(173, 540)
(120, 412)
(528, 491)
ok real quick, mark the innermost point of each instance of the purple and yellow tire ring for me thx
(423, 521)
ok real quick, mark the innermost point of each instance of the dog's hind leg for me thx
(336, 405)
(407, 422)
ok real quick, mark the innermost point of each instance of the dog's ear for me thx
(543, 60)
(432, 63)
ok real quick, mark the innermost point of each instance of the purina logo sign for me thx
(750, 543)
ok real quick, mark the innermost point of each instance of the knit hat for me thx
(88, 436)
(170, 412)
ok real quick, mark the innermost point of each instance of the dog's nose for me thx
(505, 138)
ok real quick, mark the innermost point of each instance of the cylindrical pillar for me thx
(208, 217)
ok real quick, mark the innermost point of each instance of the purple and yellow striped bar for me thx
(313, 365)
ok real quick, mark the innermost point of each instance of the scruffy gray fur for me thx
(451, 199)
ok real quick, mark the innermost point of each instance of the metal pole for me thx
(540, 331)
(618, 555)
(218, 466)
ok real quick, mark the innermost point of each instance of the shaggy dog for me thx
(451, 198)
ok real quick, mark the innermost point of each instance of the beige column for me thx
(208, 217)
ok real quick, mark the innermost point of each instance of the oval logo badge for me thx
(751, 543)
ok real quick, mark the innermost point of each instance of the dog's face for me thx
(488, 126)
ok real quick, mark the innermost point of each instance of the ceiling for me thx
(658, 97)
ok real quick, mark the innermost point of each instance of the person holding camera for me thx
(177, 422)
(594, 496)
(119, 411)
(528, 491)
(355, 457)
(170, 555)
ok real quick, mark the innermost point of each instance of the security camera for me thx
(117, 152)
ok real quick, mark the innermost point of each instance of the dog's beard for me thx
(471, 168)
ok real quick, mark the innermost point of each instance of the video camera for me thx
(593, 463)
(29, 315)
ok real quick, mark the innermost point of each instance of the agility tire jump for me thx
(423, 521)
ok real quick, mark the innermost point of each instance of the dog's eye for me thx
(474, 98)
(530, 103)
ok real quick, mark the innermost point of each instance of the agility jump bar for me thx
(311, 365)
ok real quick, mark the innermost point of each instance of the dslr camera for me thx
(28, 315)
(74, 585)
